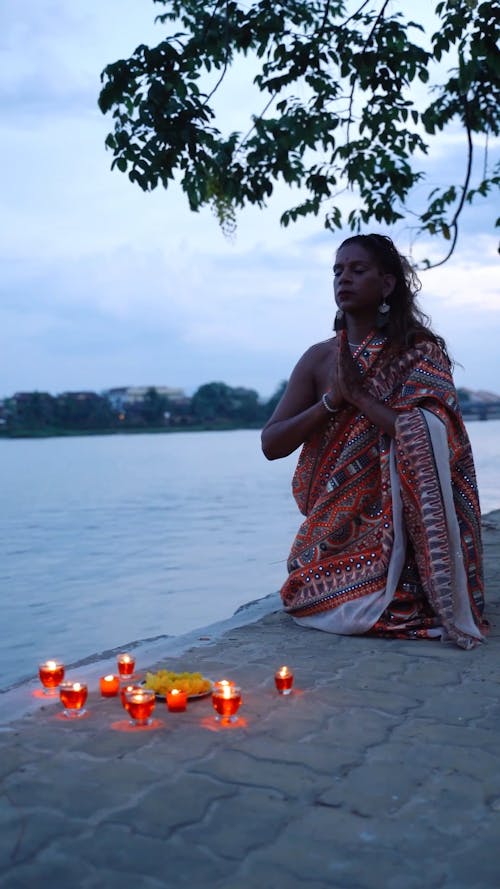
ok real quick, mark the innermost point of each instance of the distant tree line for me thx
(213, 405)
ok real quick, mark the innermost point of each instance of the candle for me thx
(51, 673)
(109, 685)
(176, 700)
(283, 679)
(140, 705)
(73, 696)
(126, 664)
(123, 693)
(226, 701)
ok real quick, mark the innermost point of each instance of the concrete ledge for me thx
(382, 769)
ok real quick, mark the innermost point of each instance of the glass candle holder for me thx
(126, 665)
(73, 696)
(226, 701)
(109, 685)
(140, 705)
(176, 700)
(283, 679)
(222, 683)
(51, 674)
(123, 693)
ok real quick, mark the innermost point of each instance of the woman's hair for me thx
(406, 320)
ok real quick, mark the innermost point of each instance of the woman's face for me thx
(359, 285)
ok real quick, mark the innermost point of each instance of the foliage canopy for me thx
(352, 98)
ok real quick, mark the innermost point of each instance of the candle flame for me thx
(109, 678)
(175, 691)
(283, 671)
(51, 665)
(76, 686)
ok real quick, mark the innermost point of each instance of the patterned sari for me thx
(391, 542)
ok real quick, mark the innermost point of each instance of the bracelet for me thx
(330, 409)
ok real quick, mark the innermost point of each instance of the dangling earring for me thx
(339, 323)
(383, 313)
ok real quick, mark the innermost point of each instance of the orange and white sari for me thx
(391, 542)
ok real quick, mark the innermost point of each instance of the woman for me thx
(391, 542)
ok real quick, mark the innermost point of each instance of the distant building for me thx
(481, 404)
(78, 396)
(127, 396)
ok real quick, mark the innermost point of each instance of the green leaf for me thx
(334, 102)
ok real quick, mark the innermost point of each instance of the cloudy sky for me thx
(103, 285)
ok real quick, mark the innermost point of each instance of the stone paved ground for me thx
(381, 770)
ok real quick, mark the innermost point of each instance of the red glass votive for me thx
(140, 705)
(126, 665)
(51, 674)
(226, 701)
(283, 679)
(73, 696)
(124, 691)
(109, 685)
(176, 700)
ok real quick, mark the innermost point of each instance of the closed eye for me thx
(338, 269)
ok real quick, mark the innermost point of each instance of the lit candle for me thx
(224, 683)
(73, 696)
(283, 679)
(51, 673)
(126, 664)
(109, 685)
(176, 700)
(140, 705)
(226, 701)
(123, 693)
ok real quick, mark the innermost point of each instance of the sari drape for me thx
(391, 542)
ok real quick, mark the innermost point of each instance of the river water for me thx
(107, 540)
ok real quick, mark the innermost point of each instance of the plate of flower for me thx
(194, 684)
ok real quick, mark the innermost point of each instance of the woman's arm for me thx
(300, 412)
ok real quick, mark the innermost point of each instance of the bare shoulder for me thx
(314, 357)
(306, 382)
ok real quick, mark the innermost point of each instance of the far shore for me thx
(160, 430)
(144, 430)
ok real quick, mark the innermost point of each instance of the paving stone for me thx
(325, 758)
(235, 825)
(242, 769)
(74, 783)
(440, 732)
(266, 874)
(25, 835)
(108, 879)
(174, 804)
(53, 873)
(377, 788)
(12, 824)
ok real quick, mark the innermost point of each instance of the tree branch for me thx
(353, 85)
(470, 153)
(226, 61)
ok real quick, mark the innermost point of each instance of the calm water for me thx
(105, 540)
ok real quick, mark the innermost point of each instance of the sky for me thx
(103, 285)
